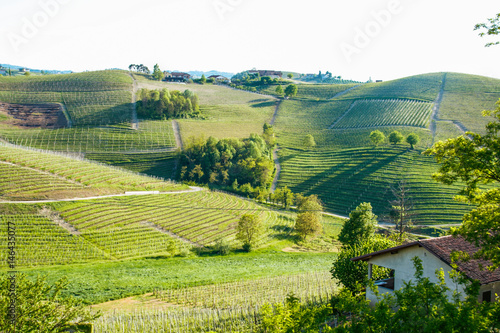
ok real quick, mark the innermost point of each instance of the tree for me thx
(248, 229)
(279, 90)
(309, 141)
(351, 273)
(308, 220)
(395, 137)
(377, 137)
(203, 79)
(290, 75)
(412, 139)
(291, 90)
(492, 29)
(474, 159)
(360, 226)
(401, 209)
(39, 307)
(157, 73)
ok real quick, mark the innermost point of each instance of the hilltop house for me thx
(435, 254)
(176, 76)
(271, 74)
(218, 78)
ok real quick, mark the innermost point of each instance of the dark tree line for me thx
(165, 104)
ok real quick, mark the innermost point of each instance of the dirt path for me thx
(435, 113)
(135, 121)
(344, 92)
(275, 114)
(171, 234)
(275, 151)
(342, 116)
(126, 194)
(177, 134)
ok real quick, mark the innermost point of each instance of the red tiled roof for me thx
(442, 247)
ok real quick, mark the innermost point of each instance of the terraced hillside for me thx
(92, 98)
(131, 226)
(32, 174)
(345, 178)
(345, 169)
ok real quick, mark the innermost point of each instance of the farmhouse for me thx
(435, 254)
(176, 76)
(271, 74)
(218, 78)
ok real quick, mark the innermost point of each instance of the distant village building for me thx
(3, 72)
(311, 76)
(379, 81)
(23, 70)
(271, 74)
(176, 76)
(435, 254)
(218, 78)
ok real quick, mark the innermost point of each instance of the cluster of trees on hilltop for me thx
(139, 68)
(228, 162)
(165, 104)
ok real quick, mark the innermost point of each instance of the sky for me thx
(356, 39)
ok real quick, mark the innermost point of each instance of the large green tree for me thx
(360, 226)
(291, 90)
(157, 73)
(377, 137)
(308, 220)
(395, 137)
(413, 139)
(248, 229)
(474, 161)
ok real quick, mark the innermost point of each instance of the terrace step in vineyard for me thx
(382, 112)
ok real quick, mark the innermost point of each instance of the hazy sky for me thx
(358, 39)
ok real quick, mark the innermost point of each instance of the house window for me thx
(487, 296)
(385, 277)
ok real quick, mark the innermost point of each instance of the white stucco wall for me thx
(402, 264)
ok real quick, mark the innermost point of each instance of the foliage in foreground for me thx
(474, 160)
(420, 306)
(38, 306)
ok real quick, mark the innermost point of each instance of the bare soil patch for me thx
(35, 115)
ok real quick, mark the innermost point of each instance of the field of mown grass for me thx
(32, 174)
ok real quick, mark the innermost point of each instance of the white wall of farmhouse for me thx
(402, 264)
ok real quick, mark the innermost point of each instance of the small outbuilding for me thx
(435, 254)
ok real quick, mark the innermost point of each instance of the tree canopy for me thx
(413, 139)
(165, 104)
(395, 137)
(291, 90)
(39, 306)
(377, 137)
(360, 226)
(222, 162)
(474, 159)
(308, 220)
(157, 73)
(248, 229)
(491, 28)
